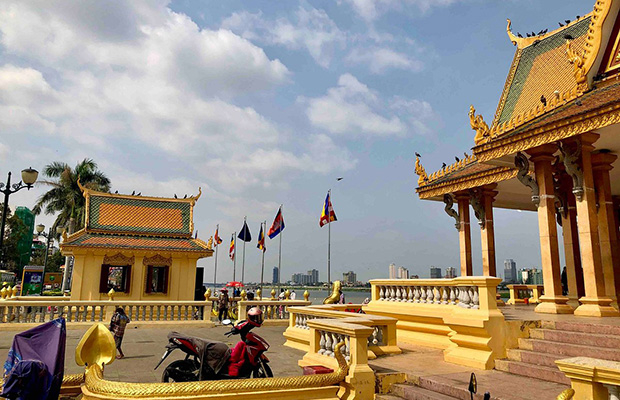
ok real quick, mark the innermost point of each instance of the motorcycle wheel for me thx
(179, 371)
(262, 371)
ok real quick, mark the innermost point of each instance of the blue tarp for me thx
(35, 366)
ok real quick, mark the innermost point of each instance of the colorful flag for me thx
(277, 226)
(261, 239)
(328, 215)
(217, 238)
(244, 234)
(231, 252)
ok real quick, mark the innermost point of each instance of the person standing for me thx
(222, 304)
(117, 327)
(341, 301)
(293, 295)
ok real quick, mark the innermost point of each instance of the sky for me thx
(262, 103)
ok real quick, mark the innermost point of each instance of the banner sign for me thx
(32, 280)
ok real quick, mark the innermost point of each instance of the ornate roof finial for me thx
(478, 125)
(514, 39)
(420, 171)
(578, 62)
(195, 198)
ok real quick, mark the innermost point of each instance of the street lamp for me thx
(29, 177)
(40, 228)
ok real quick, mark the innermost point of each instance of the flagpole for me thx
(329, 239)
(243, 262)
(262, 264)
(280, 253)
(217, 229)
(235, 258)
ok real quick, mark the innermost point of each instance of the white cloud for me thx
(353, 109)
(379, 60)
(310, 29)
(371, 9)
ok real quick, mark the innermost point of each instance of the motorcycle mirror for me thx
(226, 322)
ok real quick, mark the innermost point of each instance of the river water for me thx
(316, 295)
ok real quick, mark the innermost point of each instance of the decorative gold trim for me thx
(494, 175)
(577, 61)
(459, 165)
(522, 42)
(478, 125)
(118, 259)
(511, 74)
(157, 260)
(420, 171)
(550, 133)
(594, 37)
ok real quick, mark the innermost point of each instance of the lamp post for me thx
(40, 228)
(29, 177)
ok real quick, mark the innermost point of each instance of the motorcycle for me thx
(210, 360)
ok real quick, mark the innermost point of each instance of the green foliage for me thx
(65, 196)
(14, 230)
(56, 292)
(54, 261)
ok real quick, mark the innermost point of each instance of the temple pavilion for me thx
(141, 247)
(551, 148)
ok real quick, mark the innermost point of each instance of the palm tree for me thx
(65, 196)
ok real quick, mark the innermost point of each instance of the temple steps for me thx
(535, 356)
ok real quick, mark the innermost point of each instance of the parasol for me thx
(235, 284)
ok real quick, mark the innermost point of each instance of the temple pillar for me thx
(595, 303)
(574, 272)
(487, 232)
(610, 255)
(462, 199)
(553, 301)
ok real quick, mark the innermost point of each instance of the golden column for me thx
(607, 227)
(553, 301)
(595, 303)
(487, 232)
(464, 233)
(574, 272)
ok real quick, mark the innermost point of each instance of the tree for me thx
(65, 196)
(54, 261)
(13, 233)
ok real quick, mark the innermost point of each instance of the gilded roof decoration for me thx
(420, 171)
(450, 171)
(477, 124)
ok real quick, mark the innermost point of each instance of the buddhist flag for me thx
(277, 226)
(231, 252)
(328, 215)
(217, 238)
(245, 233)
(261, 239)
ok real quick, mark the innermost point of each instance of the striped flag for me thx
(328, 215)
(277, 226)
(261, 239)
(217, 238)
(231, 251)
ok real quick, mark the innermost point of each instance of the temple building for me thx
(551, 148)
(142, 247)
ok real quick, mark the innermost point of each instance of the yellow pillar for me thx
(464, 234)
(601, 165)
(487, 232)
(574, 272)
(552, 302)
(595, 303)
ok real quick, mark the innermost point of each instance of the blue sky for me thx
(264, 103)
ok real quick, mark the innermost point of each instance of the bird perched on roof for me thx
(185, 197)
(578, 102)
(543, 100)
(578, 16)
(533, 34)
(567, 21)
(545, 31)
(561, 24)
(139, 194)
(116, 192)
(175, 196)
(519, 34)
(568, 37)
(418, 155)
(466, 155)
(528, 35)
(443, 165)
(457, 159)
(133, 193)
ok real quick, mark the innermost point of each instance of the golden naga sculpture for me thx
(420, 171)
(578, 61)
(210, 243)
(335, 296)
(96, 349)
(566, 394)
(478, 125)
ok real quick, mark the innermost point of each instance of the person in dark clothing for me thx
(117, 327)
(564, 282)
(222, 304)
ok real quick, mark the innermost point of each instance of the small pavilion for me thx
(142, 247)
(552, 149)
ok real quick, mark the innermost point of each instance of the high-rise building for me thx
(349, 278)
(393, 271)
(510, 271)
(450, 273)
(403, 273)
(435, 272)
(276, 276)
(531, 276)
(315, 276)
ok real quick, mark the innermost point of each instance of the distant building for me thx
(531, 276)
(393, 271)
(510, 271)
(276, 276)
(349, 278)
(403, 273)
(315, 276)
(435, 273)
(311, 278)
(450, 273)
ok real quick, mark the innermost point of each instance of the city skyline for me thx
(258, 119)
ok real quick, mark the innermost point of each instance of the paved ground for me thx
(143, 348)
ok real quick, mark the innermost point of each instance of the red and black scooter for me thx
(212, 360)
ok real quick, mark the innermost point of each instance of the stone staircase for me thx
(536, 355)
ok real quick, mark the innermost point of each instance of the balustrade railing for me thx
(592, 378)
(22, 311)
(525, 294)
(272, 309)
(440, 291)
